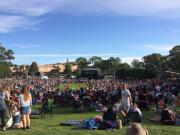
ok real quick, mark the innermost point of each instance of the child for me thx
(16, 116)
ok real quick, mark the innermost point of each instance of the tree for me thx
(154, 61)
(77, 72)
(82, 63)
(68, 69)
(104, 65)
(5, 68)
(134, 73)
(174, 58)
(33, 68)
(137, 64)
(54, 72)
(107, 66)
(124, 65)
(27, 70)
(16, 69)
(22, 69)
(114, 63)
(95, 60)
(5, 57)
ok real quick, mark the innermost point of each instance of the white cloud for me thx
(67, 55)
(26, 7)
(10, 22)
(25, 46)
(130, 59)
(124, 7)
(17, 13)
(159, 48)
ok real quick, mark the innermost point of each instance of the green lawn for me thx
(72, 86)
(50, 126)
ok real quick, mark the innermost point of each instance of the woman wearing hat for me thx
(136, 129)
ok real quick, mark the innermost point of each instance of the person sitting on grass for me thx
(135, 110)
(86, 102)
(110, 119)
(16, 114)
(167, 116)
(17, 123)
(160, 105)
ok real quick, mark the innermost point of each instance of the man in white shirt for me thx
(125, 99)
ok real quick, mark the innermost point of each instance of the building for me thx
(49, 67)
(45, 68)
(19, 68)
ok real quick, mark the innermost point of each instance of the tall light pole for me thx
(27, 73)
(114, 75)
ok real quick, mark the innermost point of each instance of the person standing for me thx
(4, 98)
(126, 99)
(25, 102)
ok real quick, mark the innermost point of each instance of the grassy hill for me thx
(50, 126)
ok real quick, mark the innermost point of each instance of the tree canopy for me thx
(33, 68)
(6, 55)
(174, 58)
(150, 66)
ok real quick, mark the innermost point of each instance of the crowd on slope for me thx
(17, 96)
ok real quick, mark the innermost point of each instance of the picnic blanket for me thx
(87, 123)
(75, 123)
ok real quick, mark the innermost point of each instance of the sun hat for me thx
(136, 129)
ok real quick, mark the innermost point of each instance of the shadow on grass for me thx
(70, 111)
(78, 128)
(53, 126)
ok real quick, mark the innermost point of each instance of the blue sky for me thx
(51, 32)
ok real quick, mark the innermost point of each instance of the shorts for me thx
(25, 110)
(125, 107)
(16, 119)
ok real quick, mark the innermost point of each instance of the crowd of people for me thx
(15, 106)
(126, 97)
(100, 94)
